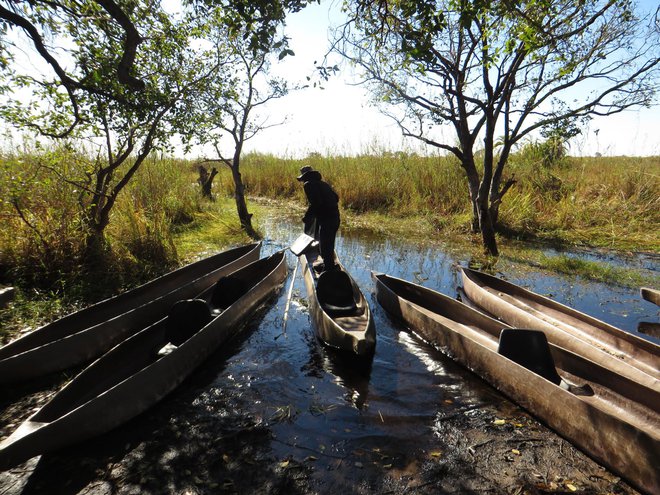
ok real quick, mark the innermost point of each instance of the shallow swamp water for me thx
(277, 412)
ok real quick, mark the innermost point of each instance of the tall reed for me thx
(42, 206)
(600, 201)
(399, 184)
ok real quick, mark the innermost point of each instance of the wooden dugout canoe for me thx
(140, 371)
(340, 313)
(86, 334)
(623, 352)
(618, 425)
(651, 295)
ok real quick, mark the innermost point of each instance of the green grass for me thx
(588, 270)
(209, 232)
(596, 202)
(160, 220)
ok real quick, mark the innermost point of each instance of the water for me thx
(278, 412)
(320, 406)
(438, 270)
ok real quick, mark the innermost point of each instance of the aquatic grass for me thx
(600, 272)
(589, 270)
(283, 414)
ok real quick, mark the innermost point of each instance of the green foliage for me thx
(42, 242)
(547, 154)
(256, 21)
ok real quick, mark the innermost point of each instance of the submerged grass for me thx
(589, 270)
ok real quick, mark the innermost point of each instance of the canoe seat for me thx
(335, 293)
(185, 319)
(227, 291)
(529, 348)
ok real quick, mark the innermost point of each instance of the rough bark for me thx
(244, 216)
(206, 181)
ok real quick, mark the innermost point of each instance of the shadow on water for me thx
(279, 412)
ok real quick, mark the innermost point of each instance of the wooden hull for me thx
(132, 377)
(623, 352)
(651, 295)
(619, 425)
(82, 336)
(352, 332)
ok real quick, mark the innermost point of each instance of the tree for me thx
(41, 21)
(119, 38)
(226, 108)
(124, 125)
(495, 72)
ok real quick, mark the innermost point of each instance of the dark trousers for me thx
(327, 231)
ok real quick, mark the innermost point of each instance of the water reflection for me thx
(348, 372)
(316, 401)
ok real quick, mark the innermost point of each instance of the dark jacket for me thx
(323, 200)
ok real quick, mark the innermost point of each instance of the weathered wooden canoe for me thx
(623, 352)
(610, 417)
(651, 295)
(88, 333)
(141, 370)
(339, 311)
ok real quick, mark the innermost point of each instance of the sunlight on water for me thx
(315, 401)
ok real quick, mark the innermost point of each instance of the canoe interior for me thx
(598, 413)
(651, 295)
(337, 293)
(142, 350)
(341, 313)
(126, 301)
(522, 308)
(649, 328)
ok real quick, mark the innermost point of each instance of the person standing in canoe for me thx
(322, 217)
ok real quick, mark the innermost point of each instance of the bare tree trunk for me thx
(206, 181)
(239, 194)
(474, 193)
(487, 228)
(473, 188)
(95, 246)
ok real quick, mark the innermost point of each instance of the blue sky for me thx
(339, 119)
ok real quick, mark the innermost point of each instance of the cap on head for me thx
(303, 171)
